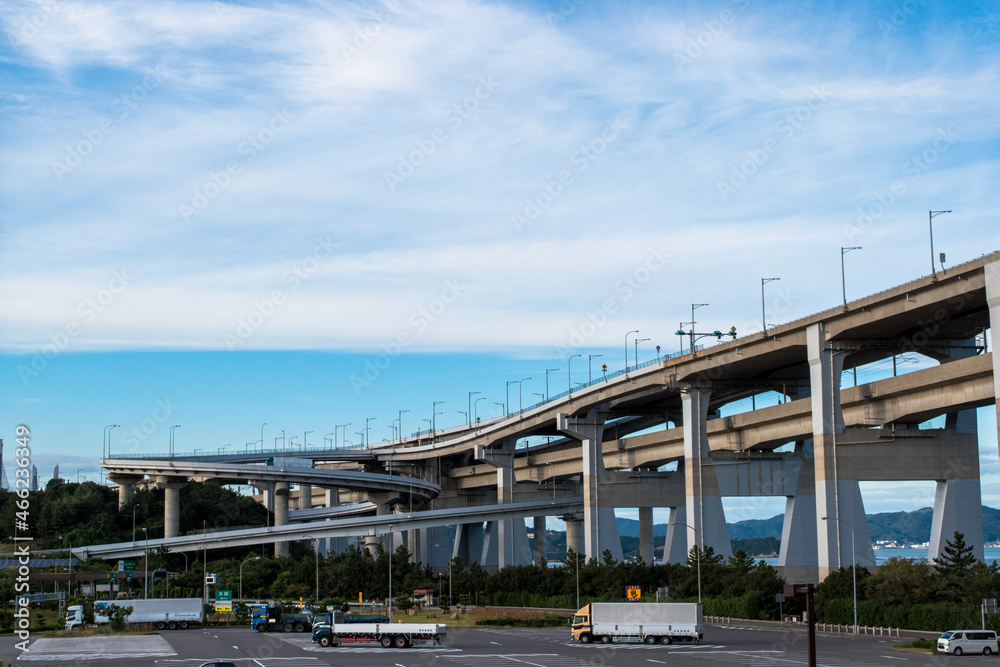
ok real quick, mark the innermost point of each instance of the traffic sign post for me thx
(633, 594)
(224, 600)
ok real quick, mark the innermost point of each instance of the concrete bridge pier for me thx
(468, 543)
(675, 545)
(797, 556)
(703, 503)
(992, 275)
(574, 532)
(600, 529)
(958, 498)
(305, 496)
(382, 507)
(511, 534)
(171, 504)
(334, 545)
(646, 534)
(835, 499)
(538, 529)
(125, 485)
(281, 514)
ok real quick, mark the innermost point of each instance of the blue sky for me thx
(240, 206)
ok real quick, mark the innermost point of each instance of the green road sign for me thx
(223, 596)
(129, 565)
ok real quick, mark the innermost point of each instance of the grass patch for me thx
(921, 644)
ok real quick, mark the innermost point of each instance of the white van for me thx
(968, 641)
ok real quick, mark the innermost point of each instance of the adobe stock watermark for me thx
(784, 129)
(624, 290)
(249, 149)
(264, 309)
(87, 311)
(364, 36)
(453, 118)
(122, 107)
(712, 30)
(585, 157)
(565, 9)
(34, 23)
(901, 13)
(419, 321)
(914, 167)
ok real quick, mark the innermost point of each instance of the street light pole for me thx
(133, 522)
(368, 440)
(475, 409)
(468, 415)
(241, 572)
(547, 371)
(401, 424)
(854, 569)
(145, 563)
(569, 371)
(626, 348)
(930, 225)
(763, 312)
(843, 281)
(335, 433)
(590, 358)
(388, 603)
(305, 441)
(434, 414)
(172, 438)
(637, 341)
(262, 436)
(520, 405)
(693, 306)
(697, 553)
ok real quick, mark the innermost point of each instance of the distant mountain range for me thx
(903, 527)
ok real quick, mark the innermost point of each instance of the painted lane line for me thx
(892, 657)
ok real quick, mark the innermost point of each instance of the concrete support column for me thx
(600, 528)
(797, 556)
(280, 514)
(574, 532)
(992, 274)
(506, 539)
(539, 532)
(825, 367)
(646, 534)
(958, 498)
(305, 496)
(171, 504)
(382, 507)
(675, 546)
(125, 485)
(703, 504)
(469, 543)
(334, 545)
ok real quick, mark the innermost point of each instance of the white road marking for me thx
(892, 657)
(656, 661)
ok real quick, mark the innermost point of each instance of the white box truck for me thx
(163, 614)
(647, 622)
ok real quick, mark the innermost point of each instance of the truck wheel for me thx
(586, 638)
(324, 641)
(161, 625)
(300, 627)
(386, 642)
(288, 626)
(606, 639)
(400, 642)
(184, 625)
(261, 628)
(649, 639)
(667, 640)
(172, 625)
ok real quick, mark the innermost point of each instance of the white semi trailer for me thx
(163, 614)
(647, 622)
(398, 635)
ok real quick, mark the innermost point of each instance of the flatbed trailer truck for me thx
(399, 635)
(632, 622)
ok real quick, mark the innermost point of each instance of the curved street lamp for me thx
(626, 348)
(241, 572)
(569, 371)
(520, 405)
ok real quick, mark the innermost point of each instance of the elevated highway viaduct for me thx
(611, 440)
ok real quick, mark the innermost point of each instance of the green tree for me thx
(117, 616)
(957, 557)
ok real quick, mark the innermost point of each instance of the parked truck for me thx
(647, 622)
(399, 635)
(163, 614)
(271, 617)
